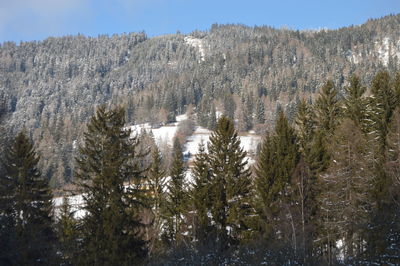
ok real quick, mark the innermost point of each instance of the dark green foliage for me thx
(383, 104)
(200, 197)
(305, 128)
(67, 229)
(112, 230)
(26, 206)
(275, 166)
(156, 184)
(171, 105)
(327, 109)
(354, 103)
(230, 185)
(176, 198)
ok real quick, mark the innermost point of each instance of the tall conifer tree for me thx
(200, 196)
(230, 184)
(274, 169)
(176, 198)
(112, 227)
(157, 182)
(327, 109)
(28, 202)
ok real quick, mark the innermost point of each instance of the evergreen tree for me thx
(175, 204)
(354, 103)
(383, 104)
(156, 186)
(171, 105)
(305, 128)
(28, 205)
(229, 105)
(260, 112)
(396, 87)
(212, 121)
(327, 109)
(274, 169)
(67, 232)
(112, 230)
(230, 184)
(200, 196)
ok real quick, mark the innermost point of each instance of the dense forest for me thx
(324, 190)
(52, 87)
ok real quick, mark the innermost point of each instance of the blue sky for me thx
(37, 19)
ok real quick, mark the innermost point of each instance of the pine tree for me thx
(230, 184)
(175, 204)
(396, 87)
(171, 105)
(156, 186)
(274, 169)
(383, 105)
(354, 103)
(28, 202)
(306, 179)
(305, 128)
(327, 109)
(67, 232)
(112, 230)
(200, 196)
(260, 112)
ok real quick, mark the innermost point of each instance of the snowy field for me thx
(166, 134)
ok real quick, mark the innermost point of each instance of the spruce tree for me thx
(230, 184)
(67, 229)
(383, 104)
(305, 127)
(274, 169)
(354, 103)
(175, 203)
(156, 187)
(260, 112)
(327, 109)
(200, 196)
(112, 230)
(27, 199)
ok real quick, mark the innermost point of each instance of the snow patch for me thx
(198, 44)
(387, 49)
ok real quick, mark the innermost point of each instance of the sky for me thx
(26, 20)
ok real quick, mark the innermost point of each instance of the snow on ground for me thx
(165, 134)
(198, 44)
(248, 142)
(383, 51)
(76, 203)
(387, 49)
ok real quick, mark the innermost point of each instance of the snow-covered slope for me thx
(198, 44)
(383, 49)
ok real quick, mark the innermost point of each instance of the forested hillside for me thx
(52, 87)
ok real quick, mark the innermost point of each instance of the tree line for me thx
(324, 191)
